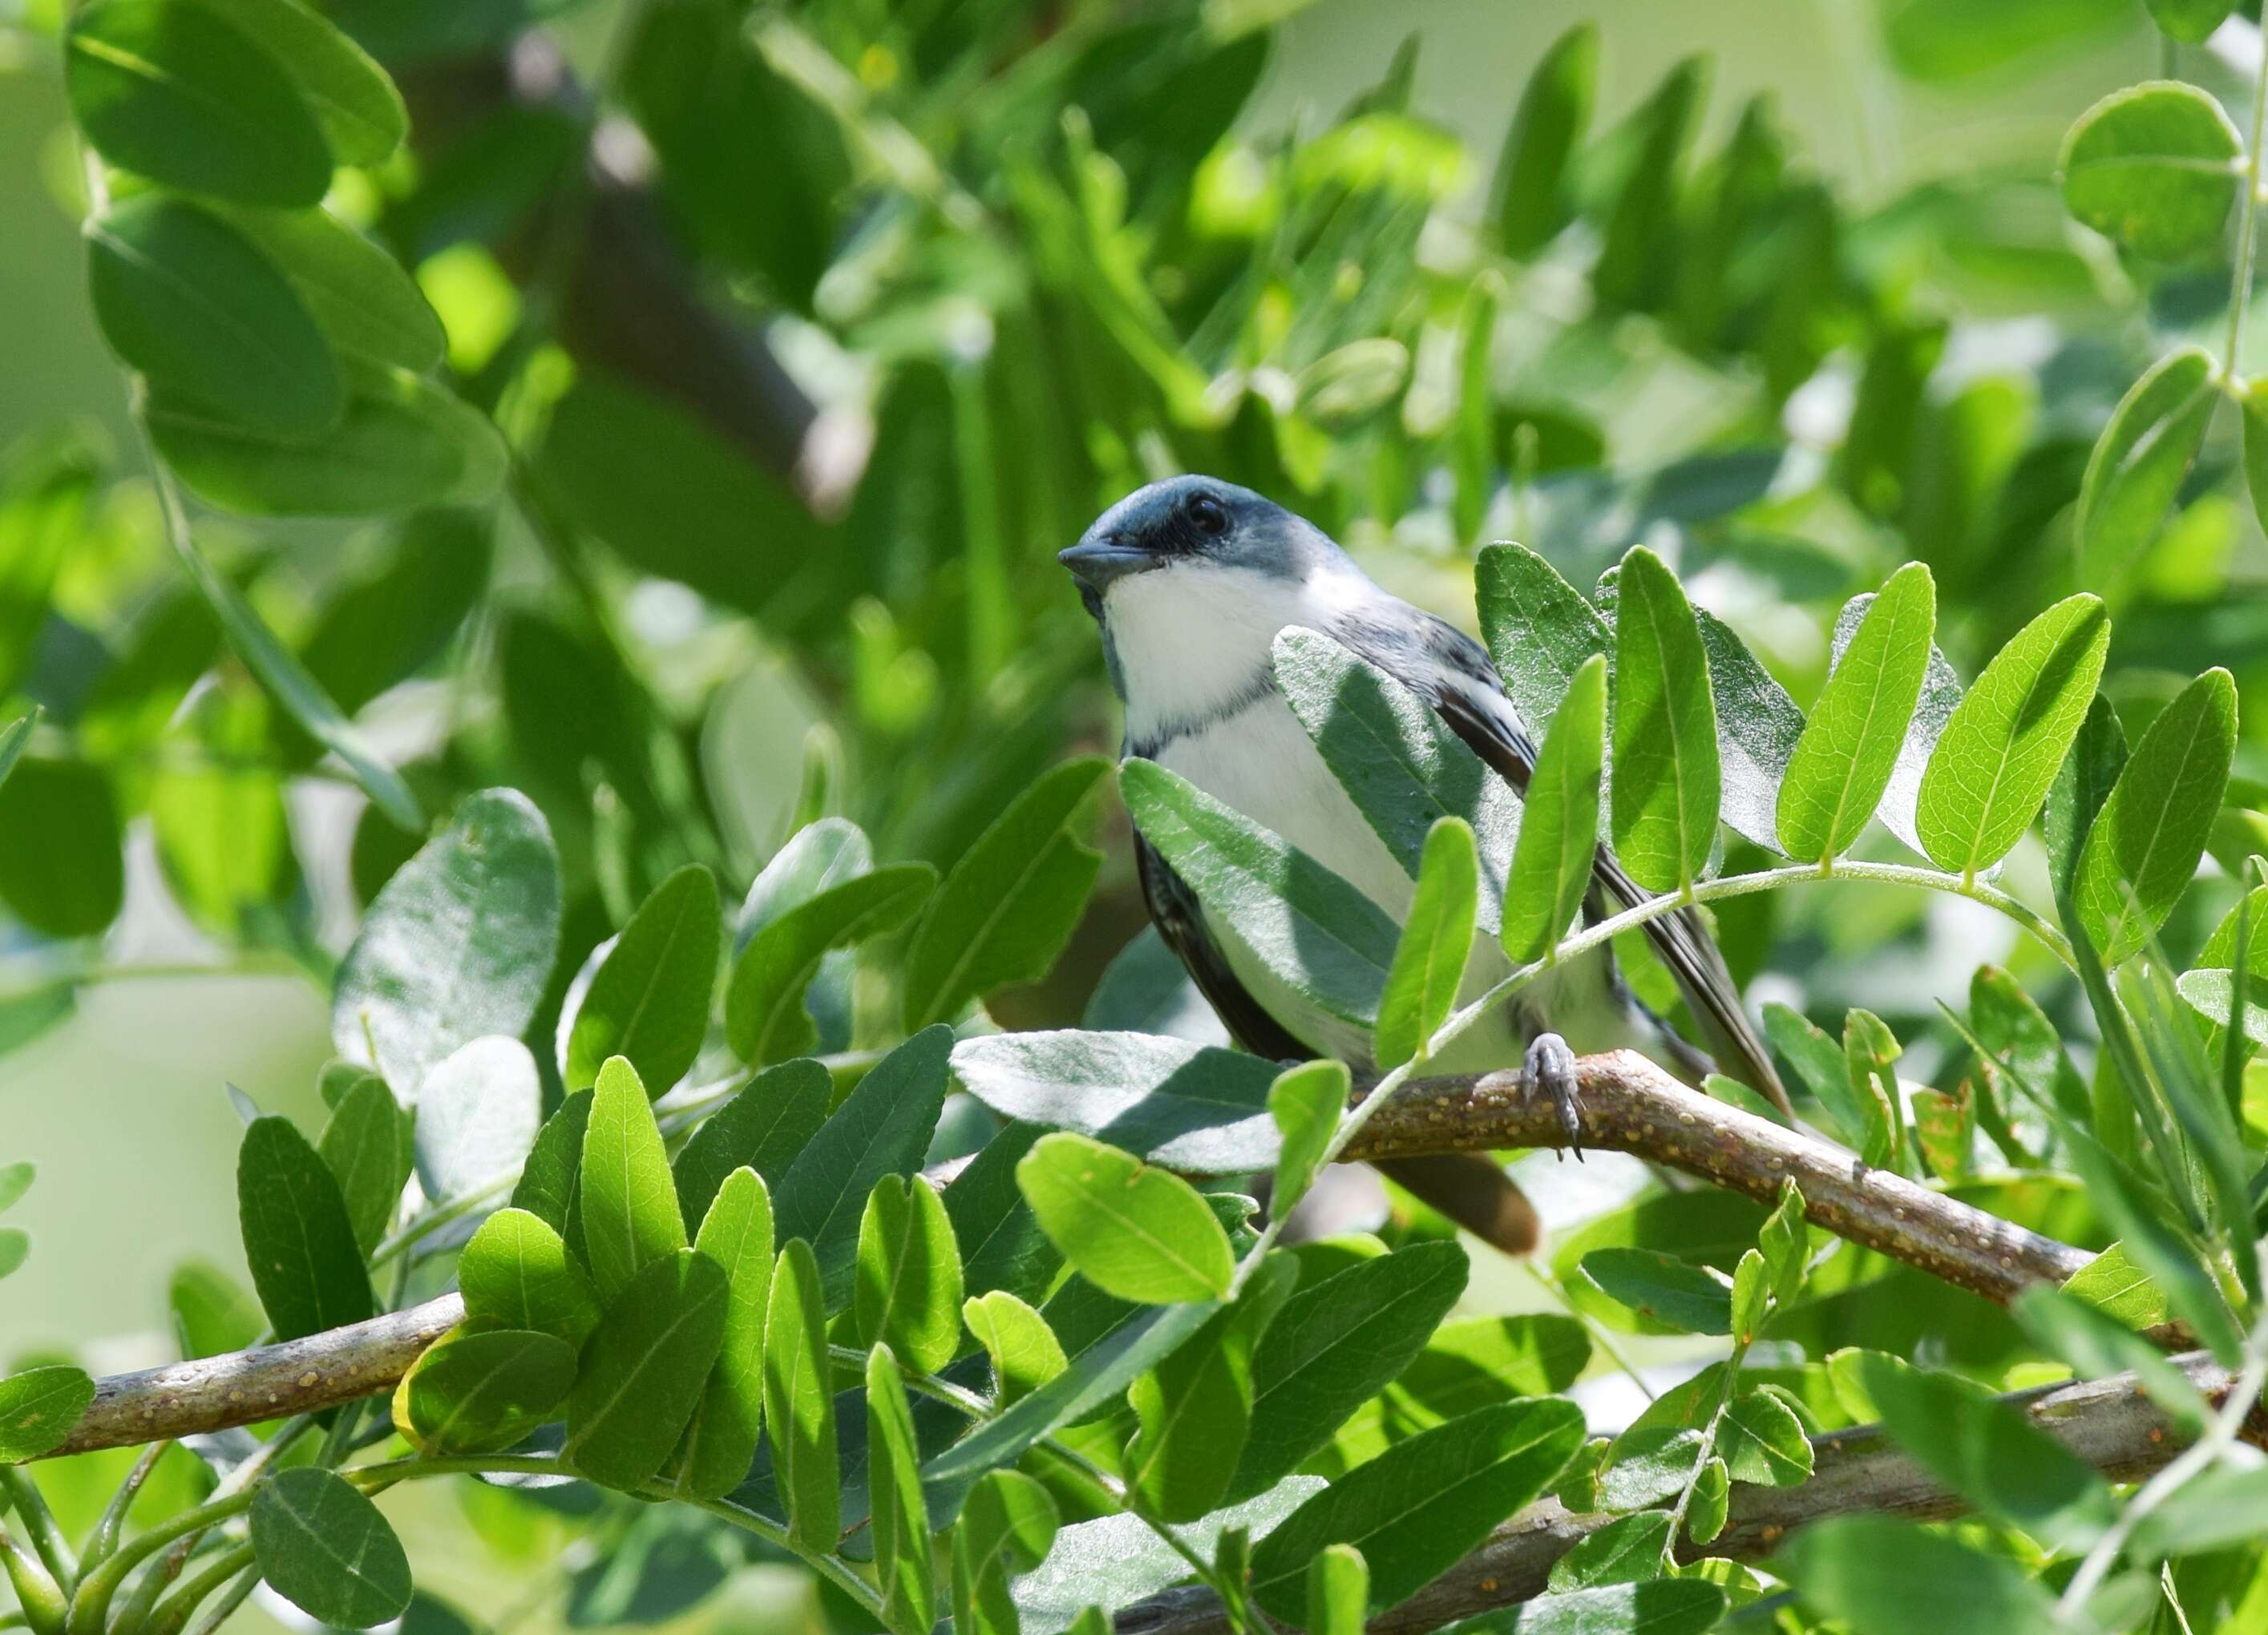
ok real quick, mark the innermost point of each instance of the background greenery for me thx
(1873, 335)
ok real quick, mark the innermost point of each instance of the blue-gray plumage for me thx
(1191, 581)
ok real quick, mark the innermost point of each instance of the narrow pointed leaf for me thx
(2006, 740)
(2146, 843)
(763, 1007)
(648, 1002)
(2145, 451)
(761, 1128)
(2090, 771)
(800, 1400)
(644, 1368)
(1421, 1505)
(1437, 939)
(1010, 903)
(900, 1517)
(1023, 1350)
(1195, 1407)
(367, 1144)
(1849, 748)
(1559, 823)
(1306, 1102)
(1540, 629)
(721, 1443)
(1666, 790)
(1528, 199)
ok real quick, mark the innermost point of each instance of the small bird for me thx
(1191, 580)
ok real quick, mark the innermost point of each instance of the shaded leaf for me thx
(766, 1124)
(909, 1279)
(1665, 767)
(482, 1391)
(38, 1409)
(721, 1443)
(764, 1006)
(644, 1368)
(1843, 762)
(326, 1548)
(299, 1240)
(1559, 831)
(648, 1002)
(800, 1400)
(1437, 938)
(2147, 449)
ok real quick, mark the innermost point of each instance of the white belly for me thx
(1262, 763)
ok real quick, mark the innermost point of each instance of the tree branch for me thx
(2107, 1423)
(1627, 1104)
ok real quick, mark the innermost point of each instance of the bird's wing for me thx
(1470, 1188)
(1464, 689)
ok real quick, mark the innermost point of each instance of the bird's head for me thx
(1192, 577)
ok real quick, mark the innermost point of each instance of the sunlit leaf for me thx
(909, 1287)
(1437, 938)
(643, 1370)
(629, 1211)
(482, 1391)
(1137, 1232)
(1559, 831)
(649, 1001)
(1665, 776)
(2145, 453)
(2154, 167)
(799, 1399)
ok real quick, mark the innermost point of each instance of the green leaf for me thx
(2212, 994)
(1626, 1550)
(474, 1392)
(1695, 1299)
(2216, 1508)
(1661, 1607)
(360, 112)
(2145, 451)
(516, 1274)
(2154, 166)
(1638, 241)
(1023, 1350)
(359, 296)
(1883, 1576)
(325, 1548)
(1335, 1345)
(1712, 1492)
(800, 1400)
(401, 442)
(185, 300)
(299, 1240)
(643, 1369)
(16, 1180)
(1421, 1505)
(61, 869)
(721, 1443)
(2097, 1346)
(13, 737)
(1195, 1407)
(458, 946)
(1306, 1103)
(2189, 21)
(211, 1312)
(1869, 1050)
(478, 1117)
(2115, 1284)
(550, 1184)
(1098, 1372)
(1007, 1527)
(1002, 1244)
(1784, 1241)
(368, 1145)
(1403, 765)
(630, 1212)
(649, 1001)
(900, 1514)
(1559, 829)
(1540, 629)
(1757, 727)
(883, 1128)
(288, 682)
(175, 93)
(763, 1007)
(2146, 841)
(1010, 903)
(1665, 775)
(38, 1409)
(1195, 1109)
(1762, 1441)
(1990, 1454)
(1849, 746)
(1338, 1592)
(909, 1287)
(761, 1128)
(1137, 1232)
(1528, 199)
(2007, 738)
(1437, 938)
(1326, 941)
(1751, 1292)
(2097, 756)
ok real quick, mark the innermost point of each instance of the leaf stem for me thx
(174, 1610)
(2240, 294)
(54, 1548)
(105, 1537)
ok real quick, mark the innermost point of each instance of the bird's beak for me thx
(1103, 562)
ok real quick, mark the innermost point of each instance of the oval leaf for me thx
(176, 93)
(360, 297)
(38, 1409)
(630, 1213)
(800, 1400)
(2154, 167)
(764, 1016)
(185, 300)
(326, 1548)
(2145, 451)
(1138, 1232)
(299, 1240)
(516, 1274)
(357, 105)
(720, 1444)
(475, 1392)
(909, 1290)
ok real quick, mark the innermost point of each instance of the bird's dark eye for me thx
(1209, 514)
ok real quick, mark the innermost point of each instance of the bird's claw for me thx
(1550, 1067)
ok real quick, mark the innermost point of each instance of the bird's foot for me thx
(1550, 1067)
